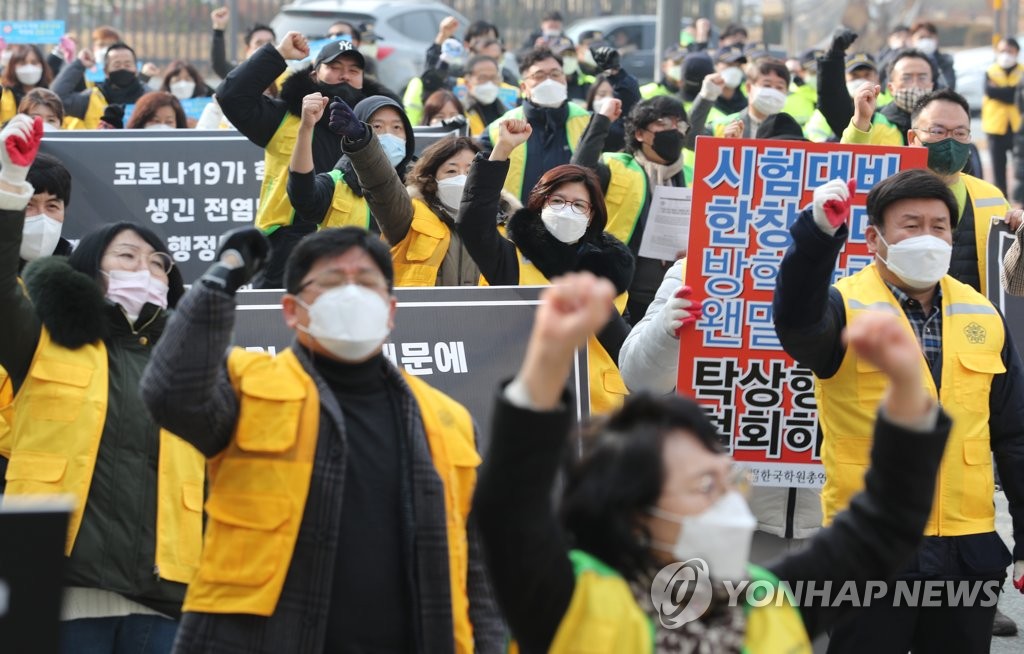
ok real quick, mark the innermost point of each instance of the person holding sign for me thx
(969, 364)
(634, 181)
(653, 511)
(337, 198)
(121, 86)
(76, 336)
(273, 124)
(339, 487)
(561, 229)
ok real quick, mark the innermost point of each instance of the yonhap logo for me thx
(681, 592)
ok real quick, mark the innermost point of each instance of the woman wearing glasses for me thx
(652, 522)
(75, 341)
(560, 230)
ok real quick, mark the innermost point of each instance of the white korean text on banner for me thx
(746, 195)
(189, 186)
(464, 341)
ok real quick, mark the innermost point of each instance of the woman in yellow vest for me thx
(1000, 117)
(75, 340)
(26, 70)
(47, 105)
(652, 523)
(560, 230)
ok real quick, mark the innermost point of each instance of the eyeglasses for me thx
(556, 74)
(335, 278)
(938, 132)
(665, 124)
(130, 258)
(580, 207)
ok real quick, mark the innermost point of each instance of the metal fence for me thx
(164, 30)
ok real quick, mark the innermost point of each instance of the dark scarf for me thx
(114, 94)
(600, 253)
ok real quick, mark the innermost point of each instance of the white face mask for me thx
(564, 224)
(768, 101)
(449, 191)
(1006, 60)
(183, 89)
(549, 93)
(98, 54)
(720, 535)
(350, 321)
(927, 46)
(732, 76)
(675, 73)
(485, 93)
(570, 66)
(158, 126)
(601, 103)
(28, 74)
(50, 127)
(855, 85)
(133, 289)
(5, 57)
(811, 81)
(39, 237)
(920, 261)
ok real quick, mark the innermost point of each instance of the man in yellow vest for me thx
(969, 364)
(122, 84)
(273, 124)
(557, 123)
(339, 487)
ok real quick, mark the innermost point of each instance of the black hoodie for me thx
(311, 193)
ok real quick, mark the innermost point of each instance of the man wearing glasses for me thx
(339, 487)
(911, 77)
(557, 123)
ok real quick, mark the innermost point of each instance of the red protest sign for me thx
(746, 194)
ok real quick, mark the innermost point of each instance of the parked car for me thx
(406, 28)
(633, 36)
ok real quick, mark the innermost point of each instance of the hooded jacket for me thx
(312, 194)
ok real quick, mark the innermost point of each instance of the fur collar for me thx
(70, 304)
(508, 204)
(602, 254)
(299, 84)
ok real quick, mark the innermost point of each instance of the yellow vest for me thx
(988, 203)
(972, 343)
(625, 196)
(259, 485)
(576, 123)
(59, 414)
(347, 208)
(603, 616)
(417, 258)
(8, 105)
(275, 208)
(6, 413)
(93, 112)
(607, 390)
(1001, 117)
(476, 124)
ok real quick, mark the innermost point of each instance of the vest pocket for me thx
(424, 239)
(191, 533)
(35, 473)
(871, 385)
(852, 456)
(268, 418)
(59, 390)
(978, 481)
(974, 383)
(244, 543)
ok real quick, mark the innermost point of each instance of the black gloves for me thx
(344, 122)
(243, 252)
(842, 39)
(605, 57)
(113, 116)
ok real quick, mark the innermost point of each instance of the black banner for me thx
(1000, 238)
(464, 341)
(189, 186)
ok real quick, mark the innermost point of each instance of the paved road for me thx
(1011, 602)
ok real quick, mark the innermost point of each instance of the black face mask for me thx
(344, 90)
(122, 78)
(668, 145)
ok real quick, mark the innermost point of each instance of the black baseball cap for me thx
(336, 49)
(860, 60)
(731, 56)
